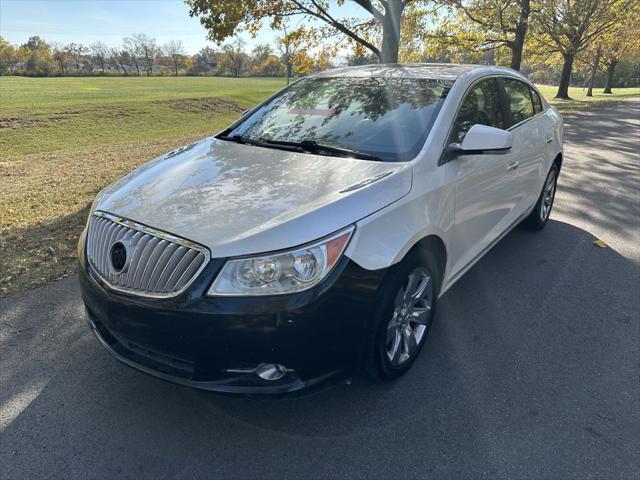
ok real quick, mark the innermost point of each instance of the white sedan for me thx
(315, 235)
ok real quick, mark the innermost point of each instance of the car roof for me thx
(433, 71)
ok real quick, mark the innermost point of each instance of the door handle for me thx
(548, 140)
(512, 166)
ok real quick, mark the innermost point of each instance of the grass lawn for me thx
(579, 99)
(63, 139)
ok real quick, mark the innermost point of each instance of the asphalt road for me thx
(531, 370)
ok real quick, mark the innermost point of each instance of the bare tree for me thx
(100, 53)
(174, 50)
(77, 52)
(233, 58)
(288, 46)
(61, 57)
(121, 58)
(146, 50)
(131, 47)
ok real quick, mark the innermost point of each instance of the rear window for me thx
(519, 98)
(389, 118)
(537, 102)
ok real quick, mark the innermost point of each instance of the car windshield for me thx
(374, 118)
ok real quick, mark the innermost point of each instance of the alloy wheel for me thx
(410, 318)
(548, 194)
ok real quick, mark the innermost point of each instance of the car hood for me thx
(240, 199)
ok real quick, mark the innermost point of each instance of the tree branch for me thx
(368, 6)
(323, 15)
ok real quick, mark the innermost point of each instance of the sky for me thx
(88, 21)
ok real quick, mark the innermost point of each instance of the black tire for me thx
(378, 365)
(539, 216)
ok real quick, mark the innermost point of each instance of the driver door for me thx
(484, 185)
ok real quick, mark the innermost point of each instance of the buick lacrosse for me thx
(313, 237)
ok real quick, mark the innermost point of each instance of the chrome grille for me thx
(160, 265)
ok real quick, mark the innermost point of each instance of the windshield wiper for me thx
(308, 146)
(311, 146)
(240, 139)
(257, 143)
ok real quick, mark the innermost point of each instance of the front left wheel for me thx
(403, 316)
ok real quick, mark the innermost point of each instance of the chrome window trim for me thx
(156, 233)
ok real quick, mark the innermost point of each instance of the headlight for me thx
(281, 272)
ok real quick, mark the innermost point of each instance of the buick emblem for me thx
(118, 257)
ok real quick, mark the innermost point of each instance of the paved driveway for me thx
(531, 371)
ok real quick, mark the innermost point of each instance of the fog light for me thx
(271, 371)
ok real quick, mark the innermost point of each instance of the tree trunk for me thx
(565, 76)
(521, 33)
(176, 65)
(289, 69)
(594, 69)
(391, 31)
(610, 71)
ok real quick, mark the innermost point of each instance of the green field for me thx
(47, 114)
(579, 99)
(63, 139)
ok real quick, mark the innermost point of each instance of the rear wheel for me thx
(403, 316)
(539, 216)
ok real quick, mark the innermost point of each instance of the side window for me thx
(519, 97)
(537, 102)
(480, 106)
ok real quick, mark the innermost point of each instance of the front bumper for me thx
(195, 340)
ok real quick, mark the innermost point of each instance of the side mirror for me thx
(481, 139)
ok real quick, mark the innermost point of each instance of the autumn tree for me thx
(205, 61)
(174, 50)
(377, 30)
(567, 27)
(493, 24)
(620, 43)
(38, 55)
(594, 68)
(271, 66)
(8, 56)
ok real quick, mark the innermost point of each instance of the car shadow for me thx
(536, 326)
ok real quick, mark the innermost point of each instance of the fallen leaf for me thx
(600, 243)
